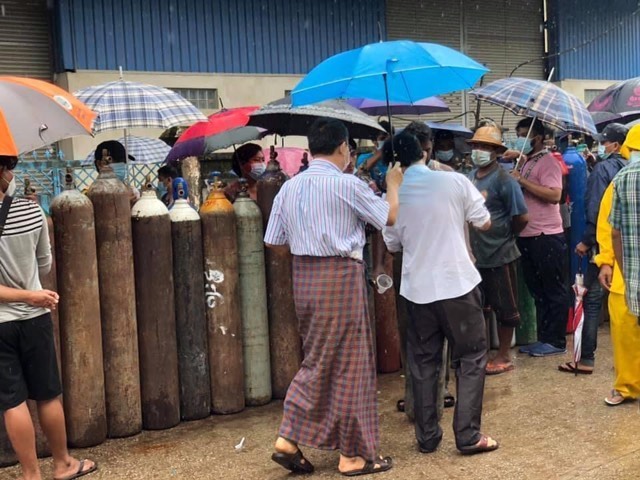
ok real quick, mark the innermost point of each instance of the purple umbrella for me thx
(379, 107)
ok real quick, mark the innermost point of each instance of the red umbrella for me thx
(576, 323)
(225, 119)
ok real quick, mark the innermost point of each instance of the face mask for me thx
(162, 189)
(380, 144)
(635, 156)
(444, 155)
(120, 169)
(602, 152)
(257, 169)
(480, 158)
(523, 145)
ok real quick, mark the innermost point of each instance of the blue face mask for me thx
(162, 189)
(523, 145)
(120, 169)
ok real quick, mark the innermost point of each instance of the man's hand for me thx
(394, 176)
(516, 175)
(605, 277)
(43, 298)
(582, 249)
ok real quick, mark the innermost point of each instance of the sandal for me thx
(570, 367)
(497, 369)
(615, 399)
(384, 464)
(81, 471)
(294, 462)
(482, 446)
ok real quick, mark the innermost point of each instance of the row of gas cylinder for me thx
(168, 315)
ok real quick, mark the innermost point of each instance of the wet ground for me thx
(551, 425)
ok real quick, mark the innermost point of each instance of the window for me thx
(202, 98)
(591, 94)
(287, 93)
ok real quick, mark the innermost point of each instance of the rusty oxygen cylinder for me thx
(79, 310)
(284, 337)
(222, 294)
(191, 320)
(253, 297)
(387, 333)
(155, 309)
(112, 213)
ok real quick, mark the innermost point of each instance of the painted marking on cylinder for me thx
(223, 329)
(211, 294)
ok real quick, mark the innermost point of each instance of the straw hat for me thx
(488, 135)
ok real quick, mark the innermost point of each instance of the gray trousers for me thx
(461, 321)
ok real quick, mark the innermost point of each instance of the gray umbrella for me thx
(281, 118)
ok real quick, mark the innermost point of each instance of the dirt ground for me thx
(551, 425)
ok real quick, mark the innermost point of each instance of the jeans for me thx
(592, 308)
(544, 265)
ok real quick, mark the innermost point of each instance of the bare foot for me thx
(73, 467)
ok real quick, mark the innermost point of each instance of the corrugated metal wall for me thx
(612, 56)
(498, 33)
(223, 36)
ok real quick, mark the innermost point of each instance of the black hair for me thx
(9, 162)
(421, 131)
(352, 144)
(168, 171)
(407, 149)
(326, 135)
(537, 129)
(387, 126)
(242, 155)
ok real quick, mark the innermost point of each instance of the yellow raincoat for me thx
(625, 331)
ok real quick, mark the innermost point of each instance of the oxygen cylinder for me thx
(284, 337)
(577, 188)
(155, 308)
(224, 320)
(112, 213)
(191, 320)
(79, 310)
(387, 333)
(253, 298)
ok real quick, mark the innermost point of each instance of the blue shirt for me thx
(377, 172)
(322, 212)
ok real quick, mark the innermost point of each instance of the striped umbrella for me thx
(539, 99)
(142, 149)
(122, 104)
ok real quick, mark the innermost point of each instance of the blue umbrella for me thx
(398, 71)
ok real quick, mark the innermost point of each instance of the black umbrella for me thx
(618, 103)
(281, 118)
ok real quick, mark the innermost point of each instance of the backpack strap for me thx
(4, 212)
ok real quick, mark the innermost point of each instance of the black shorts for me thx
(500, 288)
(28, 365)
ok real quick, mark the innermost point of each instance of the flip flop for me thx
(500, 368)
(369, 468)
(571, 368)
(294, 462)
(481, 447)
(615, 399)
(81, 471)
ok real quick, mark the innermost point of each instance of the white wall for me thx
(234, 90)
(577, 87)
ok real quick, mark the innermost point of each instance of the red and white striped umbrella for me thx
(577, 322)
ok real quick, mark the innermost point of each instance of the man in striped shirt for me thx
(28, 365)
(321, 214)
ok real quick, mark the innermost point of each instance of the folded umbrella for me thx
(539, 99)
(34, 113)
(577, 320)
(379, 107)
(282, 118)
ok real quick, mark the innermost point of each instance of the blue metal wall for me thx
(611, 56)
(225, 36)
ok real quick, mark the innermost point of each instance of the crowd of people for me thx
(491, 218)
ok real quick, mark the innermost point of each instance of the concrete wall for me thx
(578, 87)
(234, 90)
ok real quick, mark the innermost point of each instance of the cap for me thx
(114, 149)
(613, 132)
(488, 135)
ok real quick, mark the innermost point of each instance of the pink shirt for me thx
(543, 217)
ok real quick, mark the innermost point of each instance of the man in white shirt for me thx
(442, 294)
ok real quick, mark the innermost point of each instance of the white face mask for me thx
(11, 185)
(444, 155)
(480, 158)
(257, 169)
(635, 156)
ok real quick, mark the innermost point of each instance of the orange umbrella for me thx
(34, 113)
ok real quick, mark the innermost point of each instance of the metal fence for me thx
(47, 177)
